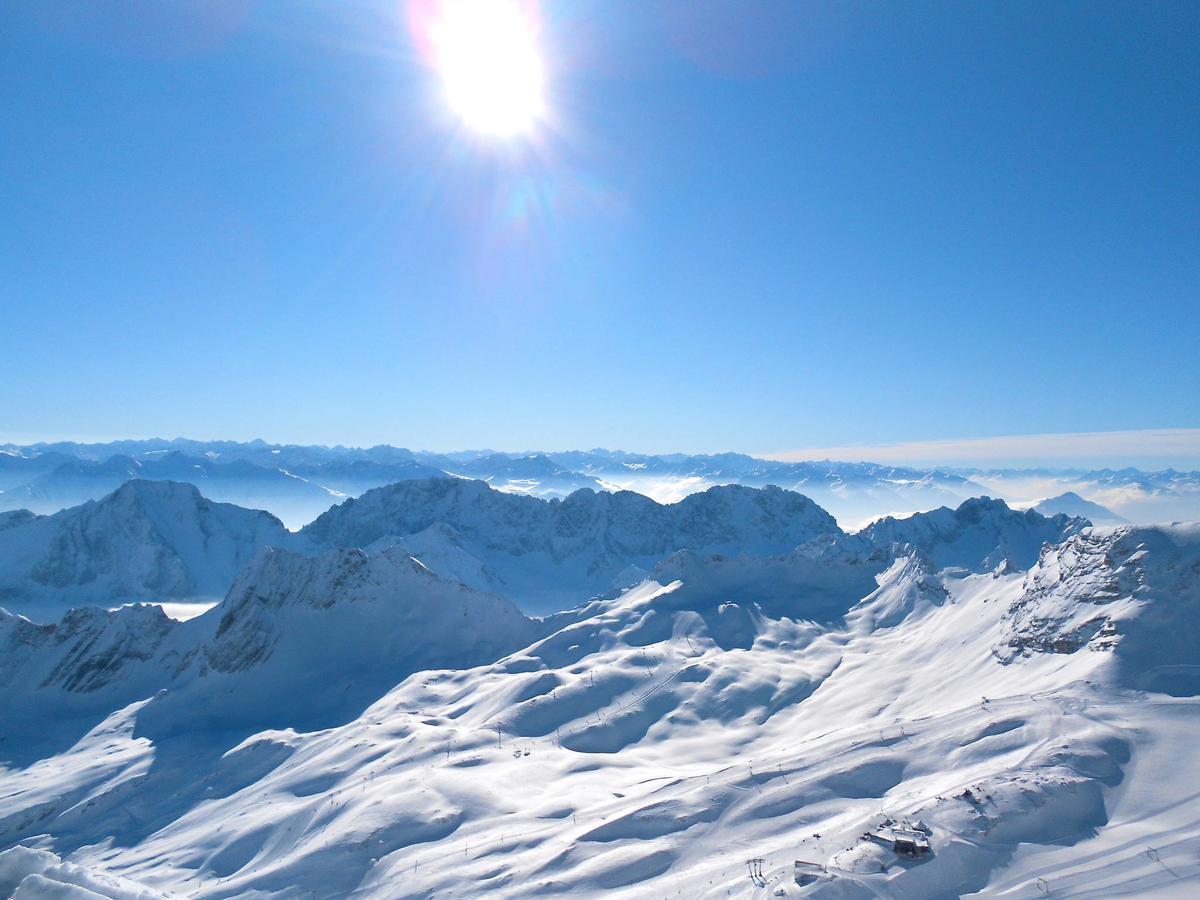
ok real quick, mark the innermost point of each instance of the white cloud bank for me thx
(1148, 448)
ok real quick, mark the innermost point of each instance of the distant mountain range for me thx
(1071, 504)
(297, 483)
(156, 541)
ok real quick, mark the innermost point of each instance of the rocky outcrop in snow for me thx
(87, 650)
(1134, 592)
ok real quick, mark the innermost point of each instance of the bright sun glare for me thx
(487, 54)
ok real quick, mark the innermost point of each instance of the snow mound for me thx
(30, 874)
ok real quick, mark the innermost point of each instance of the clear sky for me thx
(733, 226)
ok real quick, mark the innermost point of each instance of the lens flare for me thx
(487, 54)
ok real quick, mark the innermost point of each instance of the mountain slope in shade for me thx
(298, 642)
(1071, 504)
(653, 743)
(145, 541)
(16, 517)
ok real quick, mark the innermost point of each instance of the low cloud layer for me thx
(1149, 448)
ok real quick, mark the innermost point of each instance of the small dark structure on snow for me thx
(905, 840)
(807, 872)
(909, 842)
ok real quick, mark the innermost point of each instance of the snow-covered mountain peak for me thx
(88, 650)
(278, 577)
(352, 719)
(552, 555)
(1071, 504)
(139, 490)
(977, 536)
(299, 640)
(147, 540)
(768, 512)
(386, 604)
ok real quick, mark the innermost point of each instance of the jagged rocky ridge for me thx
(1135, 592)
(552, 555)
(153, 541)
(979, 535)
(156, 541)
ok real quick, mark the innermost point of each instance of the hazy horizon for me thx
(1150, 450)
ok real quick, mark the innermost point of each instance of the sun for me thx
(487, 55)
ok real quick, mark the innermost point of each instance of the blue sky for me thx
(752, 226)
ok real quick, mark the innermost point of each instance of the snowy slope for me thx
(649, 745)
(145, 541)
(299, 641)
